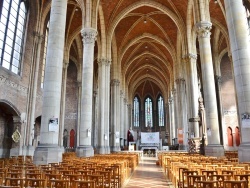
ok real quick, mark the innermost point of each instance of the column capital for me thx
(65, 64)
(125, 101)
(104, 61)
(115, 82)
(203, 29)
(37, 35)
(89, 35)
(170, 101)
(95, 93)
(192, 56)
(129, 106)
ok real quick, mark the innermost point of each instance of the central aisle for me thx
(148, 174)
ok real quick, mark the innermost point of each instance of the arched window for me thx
(148, 112)
(12, 27)
(44, 53)
(160, 111)
(136, 112)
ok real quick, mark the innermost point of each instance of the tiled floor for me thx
(147, 175)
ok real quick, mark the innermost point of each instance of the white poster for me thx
(53, 125)
(150, 137)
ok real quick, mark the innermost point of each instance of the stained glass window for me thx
(136, 112)
(12, 27)
(160, 111)
(148, 113)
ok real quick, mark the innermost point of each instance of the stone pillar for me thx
(102, 134)
(176, 112)
(28, 147)
(122, 119)
(107, 105)
(85, 149)
(125, 119)
(182, 113)
(79, 84)
(16, 148)
(115, 128)
(63, 100)
(49, 150)
(95, 126)
(130, 124)
(214, 148)
(194, 91)
(239, 40)
(172, 134)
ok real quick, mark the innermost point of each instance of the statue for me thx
(130, 135)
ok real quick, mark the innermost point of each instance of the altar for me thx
(149, 143)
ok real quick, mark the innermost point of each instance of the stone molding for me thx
(115, 82)
(88, 35)
(203, 29)
(103, 61)
(4, 81)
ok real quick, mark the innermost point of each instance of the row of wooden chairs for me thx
(185, 170)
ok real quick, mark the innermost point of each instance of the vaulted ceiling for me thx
(146, 37)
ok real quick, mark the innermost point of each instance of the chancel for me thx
(128, 82)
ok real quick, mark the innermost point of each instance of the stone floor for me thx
(148, 174)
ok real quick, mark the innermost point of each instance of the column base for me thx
(115, 149)
(214, 150)
(28, 150)
(100, 150)
(107, 149)
(243, 153)
(84, 151)
(15, 151)
(45, 154)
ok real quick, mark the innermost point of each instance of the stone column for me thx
(107, 105)
(102, 134)
(172, 134)
(85, 149)
(115, 128)
(49, 150)
(194, 91)
(176, 112)
(16, 148)
(130, 124)
(213, 148)
(125, 127)
(63, 100)
(182, 113)
(79, 84)
(95, 126)
(122, 118)
(239, 40)
(28, 147)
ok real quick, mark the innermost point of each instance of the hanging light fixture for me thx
(216, 1)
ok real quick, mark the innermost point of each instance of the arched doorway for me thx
(229, 136)
(237, 136)
(7, 112)
(72, 139)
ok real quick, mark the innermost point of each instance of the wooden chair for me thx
(84, 184)
(245, 177)
(32, 182)
(191, 179)
(206, 184)
(235, 184)
(14, 181)
(6, 186)
(55, 183)
(99, 180)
